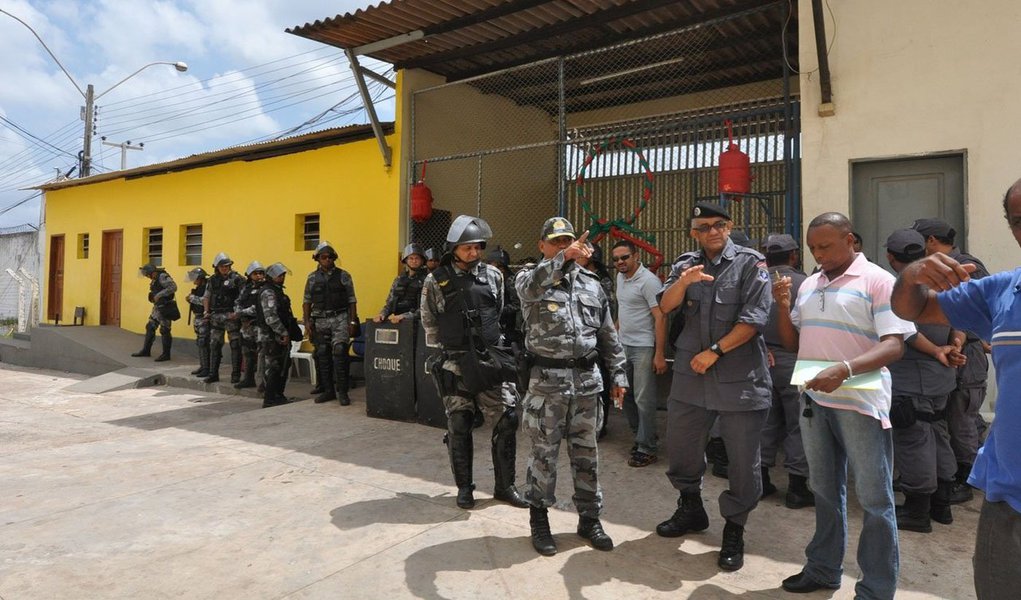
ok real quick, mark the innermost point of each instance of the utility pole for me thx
(124, 146)
(90, 99)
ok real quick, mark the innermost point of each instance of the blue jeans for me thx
(641, 412)
(833, 440)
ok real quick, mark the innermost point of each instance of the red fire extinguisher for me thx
(735, 167)
(421, 200)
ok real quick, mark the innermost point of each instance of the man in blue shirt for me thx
(938, 289)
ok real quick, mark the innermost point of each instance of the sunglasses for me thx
(704, 228)
(621, 258)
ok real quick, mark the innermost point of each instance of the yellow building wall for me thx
(246, 209)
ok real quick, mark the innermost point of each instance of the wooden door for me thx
(55, 298)
(110, 285)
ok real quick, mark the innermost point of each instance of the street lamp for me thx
(90, 95)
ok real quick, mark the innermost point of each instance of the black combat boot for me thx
(690, 516)
(716, 453)
(248, 381)
(504, 453)
(961, 491)
(592, 530)
(460, 448)
(214, 366)
(167, 341)
(768, 489)
(939, 502)
(542, 539)
(150, 337)
(203, 370)
(324, 365)
(269, 397)
(235, 360)
(341, 368)
(732, 548)
(913, 515)
(798, 494)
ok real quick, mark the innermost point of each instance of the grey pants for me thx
(783, 425)
(997, 546)
(687, 433)
(962, 416)
(921, 452)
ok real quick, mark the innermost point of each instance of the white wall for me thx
(17, 250)
(914, 77)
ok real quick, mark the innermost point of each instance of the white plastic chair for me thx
(297, 355)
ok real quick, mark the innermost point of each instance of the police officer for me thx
(164, 310)
(720, 372)
(406, 290)
(782, 424)
(198, 276)
(568, 328)
(221, 293)
(922, 381)
(461, 304)
(330, 312)
(510, 316)
(276, 324)
(432, 259)
(248, 297)
(963, 418)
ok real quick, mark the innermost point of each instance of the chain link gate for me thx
(590, 135)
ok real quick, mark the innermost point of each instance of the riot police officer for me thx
(510, 317)
(164, 310)
(330, 312)
(432, 259)
(461, 304)
(406, 291)
(198, 276)
(720, 373)
(568, 330)
(221, 293)
(277, 327)
(248, 297)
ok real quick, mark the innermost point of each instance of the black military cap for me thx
(556, 227)
(708, 209)
(935, 227)
(780, 242)
(741, 238)
(906, 241)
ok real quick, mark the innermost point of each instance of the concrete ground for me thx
(166, 492)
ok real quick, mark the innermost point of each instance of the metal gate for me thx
(591, 135)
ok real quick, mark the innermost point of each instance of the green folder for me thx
(805, 370)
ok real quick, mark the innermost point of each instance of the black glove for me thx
(152, 297)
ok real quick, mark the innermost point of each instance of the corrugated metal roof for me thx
(471, 37)
(247, 152)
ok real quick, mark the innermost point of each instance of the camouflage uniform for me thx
(201, 327)
(273, 314)
(331, 295)
(161, 291)
(246, 309)
(496, 404)
(567, 317)
(222, 291)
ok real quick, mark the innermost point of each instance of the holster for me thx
(523, 366)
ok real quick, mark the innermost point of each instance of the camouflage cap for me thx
(555, 227)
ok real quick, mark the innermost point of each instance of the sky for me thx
(247, 81)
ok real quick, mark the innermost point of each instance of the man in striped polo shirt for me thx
(844, 317)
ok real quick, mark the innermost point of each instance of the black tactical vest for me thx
(249, 295)
(328, 291)
(283, 305)
(156, 287)
(466, 298)
(224, 291)
(408, 292)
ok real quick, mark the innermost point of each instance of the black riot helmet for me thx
(411, 249)
(324, 246)
(467, 229)
(432, 254)
(498, 256)
(147, 269)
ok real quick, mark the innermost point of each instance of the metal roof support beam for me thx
(370, 108)
(390, 42)
(820, 50)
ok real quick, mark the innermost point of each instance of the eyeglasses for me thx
(621, 258)
(704, 228)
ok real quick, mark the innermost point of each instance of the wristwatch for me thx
(716, 348)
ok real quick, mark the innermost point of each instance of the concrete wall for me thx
(916, 77)
(247, 209)
(17, 250)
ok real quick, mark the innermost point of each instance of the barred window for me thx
(307, 231)
(83, 245)
(191, 244)
(154, 246)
